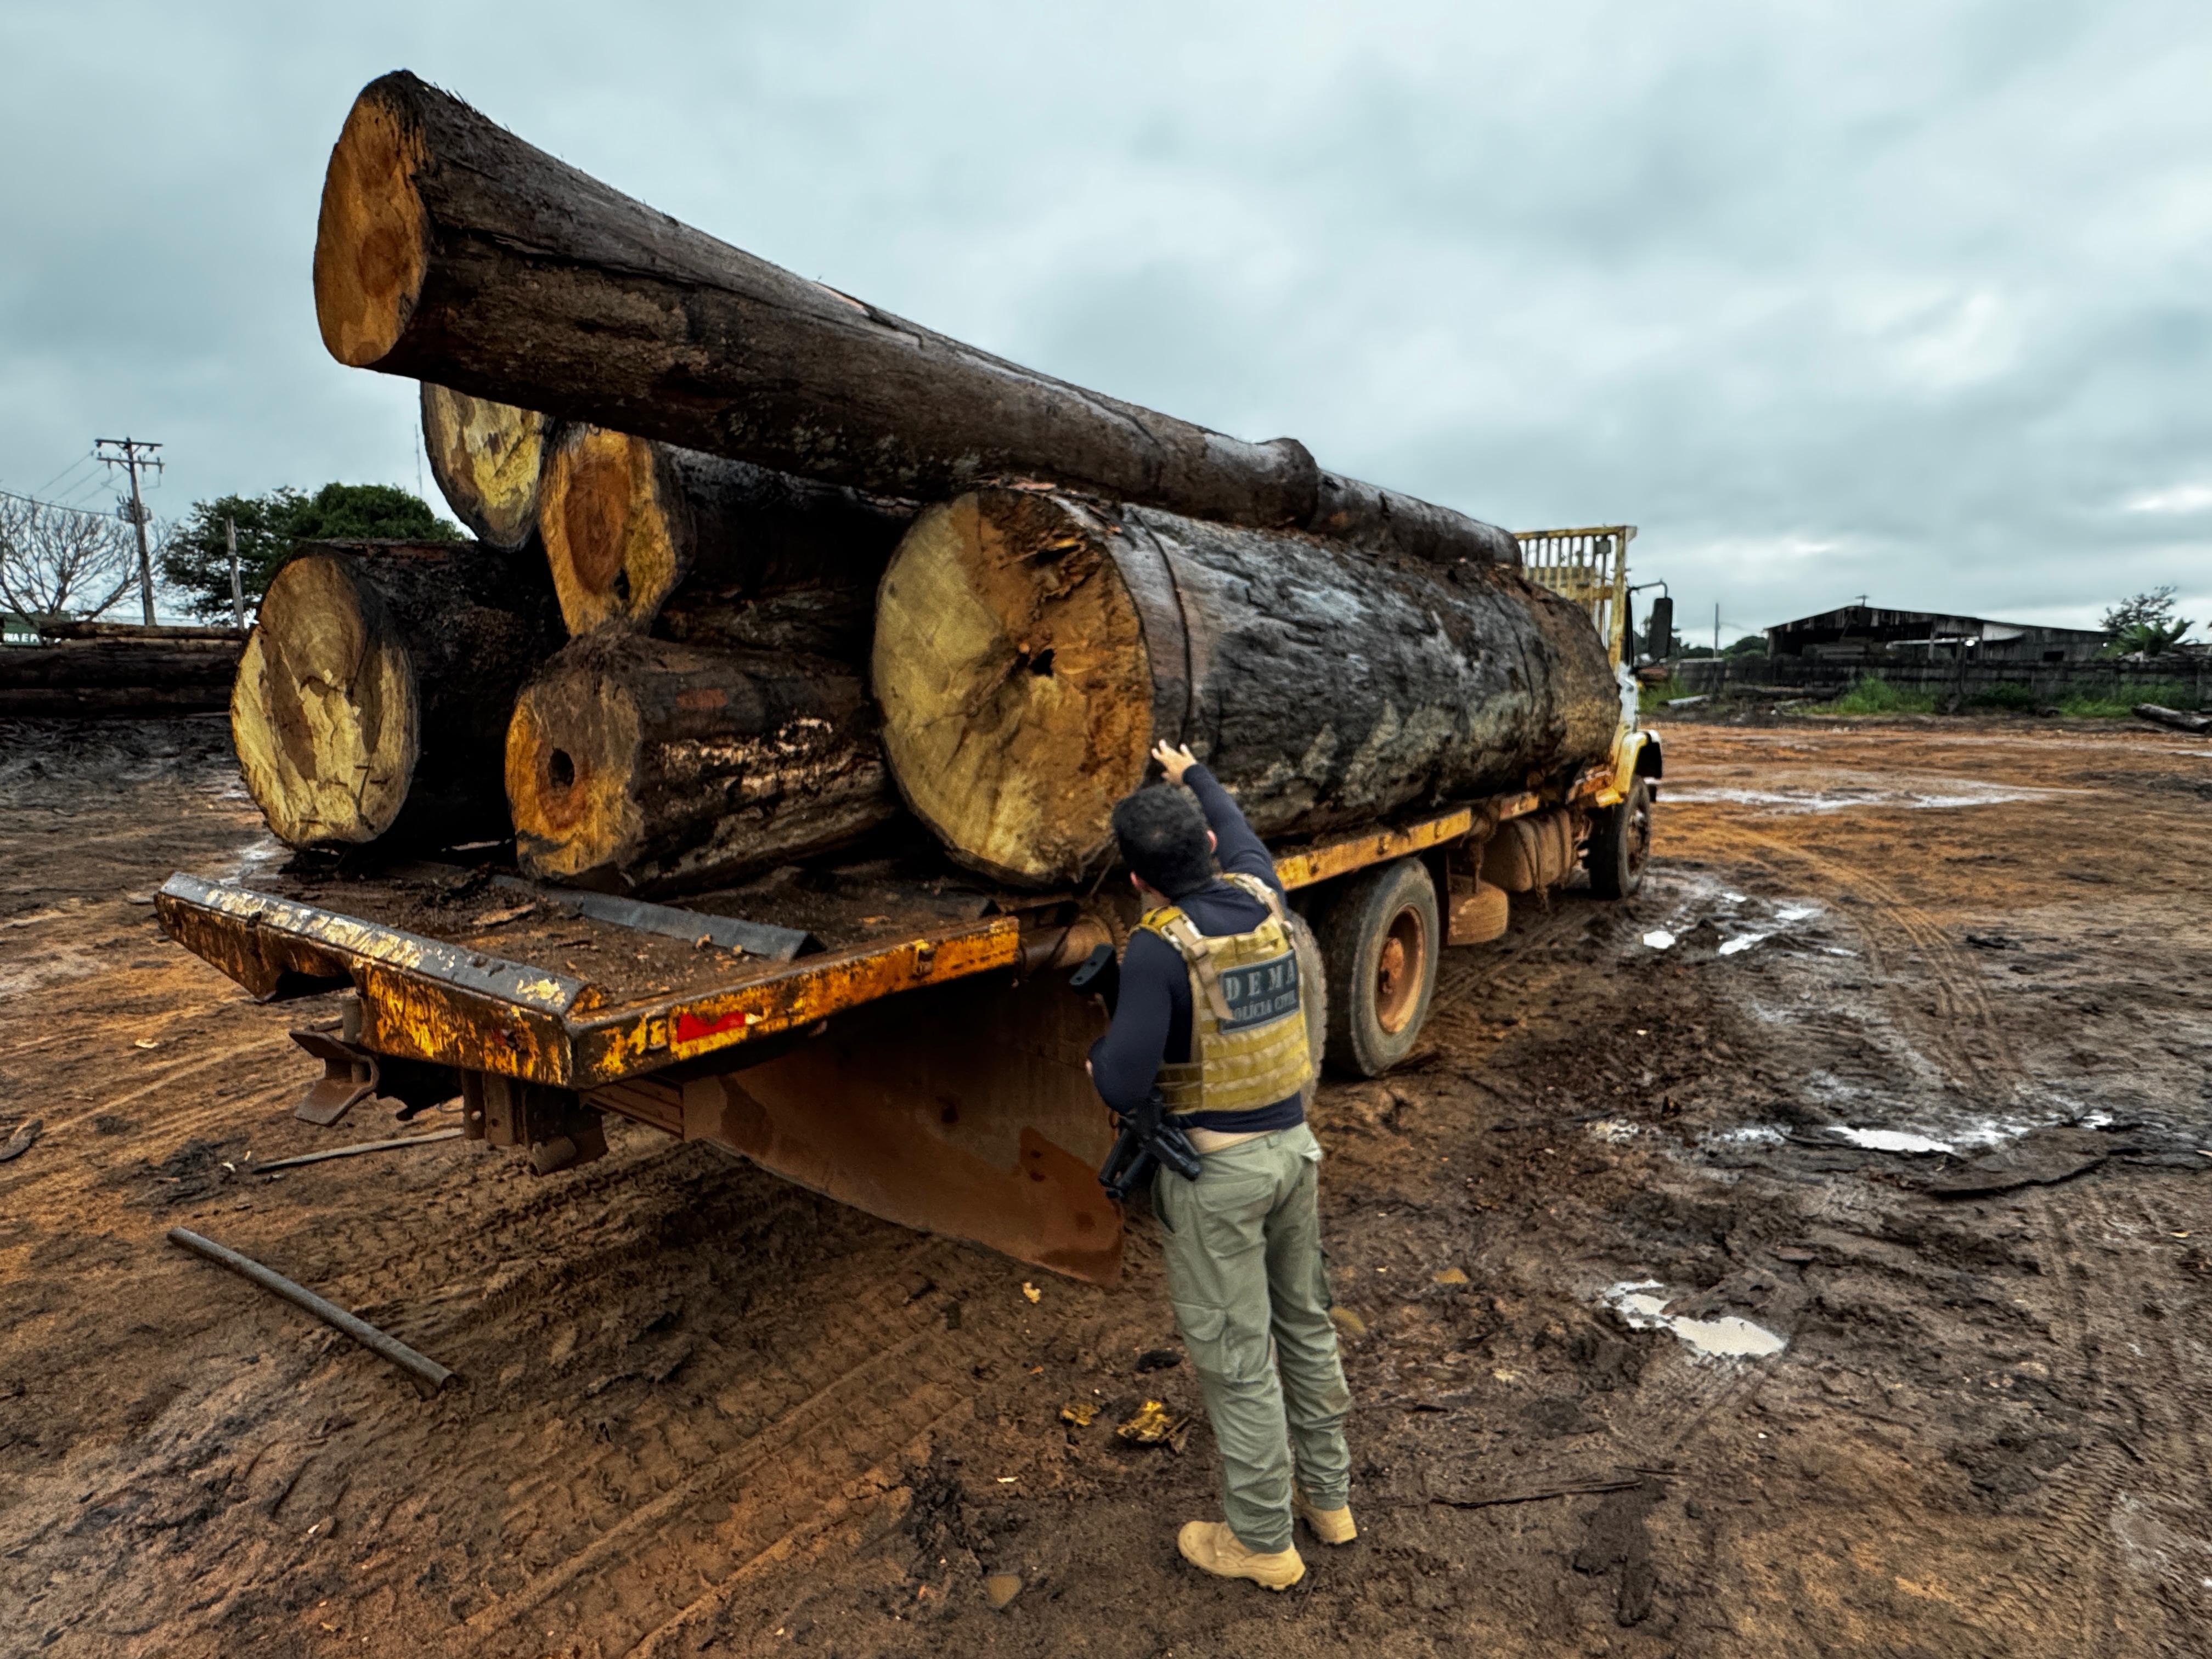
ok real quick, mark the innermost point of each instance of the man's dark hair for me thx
(1163, 838)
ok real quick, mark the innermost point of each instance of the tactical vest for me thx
(1248, 1028)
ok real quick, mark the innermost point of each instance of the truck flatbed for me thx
(965, 1109)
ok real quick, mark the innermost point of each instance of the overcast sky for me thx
(1898, 297)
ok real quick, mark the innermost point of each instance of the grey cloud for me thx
(1902, 298)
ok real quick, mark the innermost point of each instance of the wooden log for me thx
(761, 560)
(640, 765)
(1030, 649)
(451, 251)
(103, 671)
(130, 663)
(112, 701)
(70, 629)
(371, 702)
(487, 457)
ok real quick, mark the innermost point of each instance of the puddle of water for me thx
(1891, 1140)
(1748, 1134)
(1659, 940)
(1931, 794)
(257, 858)
(1642, 1305)
(1741, 942)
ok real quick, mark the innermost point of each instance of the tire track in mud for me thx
(1968, 1043)
(1454, 1014)
(715, 1523)
(2168, 1416)
(850, 1391)
(1963, 1037)
(835, 1386)
(2096, 1479)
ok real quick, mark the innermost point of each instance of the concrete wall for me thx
(2051, 683)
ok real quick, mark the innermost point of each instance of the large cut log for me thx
(54, 628)
(450, 250)
(1030, 650)
(640, 765)
(756, 559)
(487, 457)
(371, 701)
(130, 672)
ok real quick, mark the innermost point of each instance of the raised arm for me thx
(1235, 845)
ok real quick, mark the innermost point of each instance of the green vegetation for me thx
(2006, 699)
(2167, 694)
(2082, 706)
(1876, 696)
(196, 560)
(2146, 623)
(2121, 701)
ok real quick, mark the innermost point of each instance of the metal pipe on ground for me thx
(427, 1372)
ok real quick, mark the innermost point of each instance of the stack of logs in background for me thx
(761, 572)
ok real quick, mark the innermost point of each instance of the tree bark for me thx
(753, 558)
(450, 250)
(1030, 650)
(640, 765)
(124, 673)
(118, 664)
(487, 457)
(371, 701)
(160, 633)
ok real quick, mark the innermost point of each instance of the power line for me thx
(81, 460)
(54, 507)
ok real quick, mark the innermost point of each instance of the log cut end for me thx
(1017, 693)
(639, 764)
(324, 712)
(572, 755)
(487, 457)
(606, 528)
(371, 242)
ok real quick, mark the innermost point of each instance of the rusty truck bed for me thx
(457, 967)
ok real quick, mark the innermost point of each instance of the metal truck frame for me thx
(925, 1063)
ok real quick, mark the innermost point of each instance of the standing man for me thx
(1210, 1014)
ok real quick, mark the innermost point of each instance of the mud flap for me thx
(963, 1110)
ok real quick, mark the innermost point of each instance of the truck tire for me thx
(1380, 942)
(1620, 844)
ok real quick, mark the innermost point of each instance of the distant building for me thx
(1859, 632)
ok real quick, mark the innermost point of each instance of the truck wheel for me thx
(1620, 844)
(1379, 942)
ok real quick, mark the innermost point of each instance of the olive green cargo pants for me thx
(1244, 1263)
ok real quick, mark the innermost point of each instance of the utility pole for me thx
(237, 594)
(133, 455)
(1716, 630)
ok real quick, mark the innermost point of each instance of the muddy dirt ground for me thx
(706, 1411)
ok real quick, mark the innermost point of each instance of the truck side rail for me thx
(426, 998)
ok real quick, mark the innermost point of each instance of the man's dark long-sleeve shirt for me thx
(1151, 1021)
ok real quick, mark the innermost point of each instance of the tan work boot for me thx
(1330, 1526)
(1210, 1545)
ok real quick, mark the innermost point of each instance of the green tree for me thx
(196, 560)
(2146, 623)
